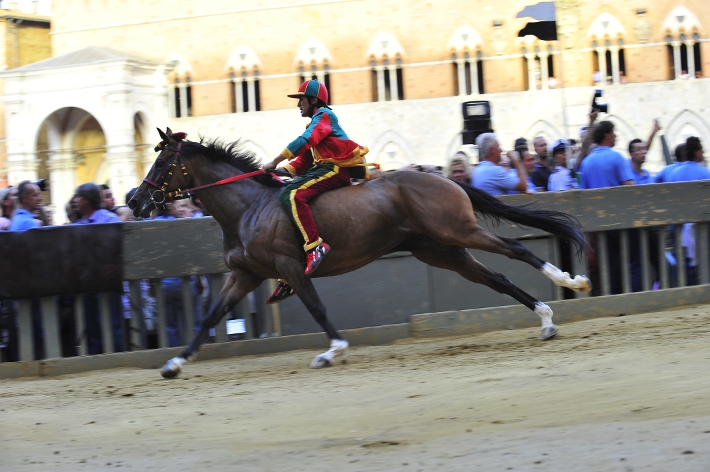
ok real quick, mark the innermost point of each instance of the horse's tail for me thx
(554, 222)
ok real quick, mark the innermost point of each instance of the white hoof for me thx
(338, 347)
(579, 284)
(172, 368)
(583, 284)
(548, 333)
(321, 361)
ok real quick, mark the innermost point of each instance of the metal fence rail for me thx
(636, 233)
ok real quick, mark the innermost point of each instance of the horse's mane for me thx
(236, 155)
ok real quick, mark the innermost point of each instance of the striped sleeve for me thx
(319, 128)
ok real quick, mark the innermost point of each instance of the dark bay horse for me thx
(426, 214)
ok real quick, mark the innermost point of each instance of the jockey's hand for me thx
(269, 166)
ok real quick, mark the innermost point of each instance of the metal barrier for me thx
(639, 224)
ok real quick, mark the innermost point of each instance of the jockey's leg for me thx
(295, 198)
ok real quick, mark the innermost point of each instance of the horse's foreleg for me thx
(307, 293)
(238, 285)
(459, 260)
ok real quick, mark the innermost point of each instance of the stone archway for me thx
(71, 150)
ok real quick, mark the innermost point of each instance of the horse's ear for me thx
(168, 131)
(163, 136)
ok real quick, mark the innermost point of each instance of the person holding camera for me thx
(489, 176)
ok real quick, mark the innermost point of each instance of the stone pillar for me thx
(676, 58)
(320, 75)
(473, 67)
(544, 73)
(171, 100)
(461, 74)
(601, 53)
(62, 183)
(20, 168)
(689, 51)
(238, 95)
(394, 86)
(251, 94)
(122, 162)
(380, 83)
(183, 100)
(531, 71)
(615, 64)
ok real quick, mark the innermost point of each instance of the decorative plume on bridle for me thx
(179, 136)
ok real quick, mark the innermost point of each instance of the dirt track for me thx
(617, 394)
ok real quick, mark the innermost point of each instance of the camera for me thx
(476, 120)
(600, 107)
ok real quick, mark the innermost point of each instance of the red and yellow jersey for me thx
(327, 142)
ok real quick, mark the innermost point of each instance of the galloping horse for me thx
(428, 215)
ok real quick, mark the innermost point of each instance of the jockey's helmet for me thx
(312, 88)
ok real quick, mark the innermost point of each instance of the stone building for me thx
(398, 72)
(24, 39)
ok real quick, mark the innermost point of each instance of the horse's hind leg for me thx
(479, 238)
(238, 285)
(307, 293)
(459, 260)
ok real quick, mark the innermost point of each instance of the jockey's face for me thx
(304, 106)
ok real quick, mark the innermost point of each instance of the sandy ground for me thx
(616, 394)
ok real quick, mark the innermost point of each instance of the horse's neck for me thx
(227, 203)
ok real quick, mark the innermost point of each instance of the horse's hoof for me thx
(321, 362)
(583, 283)
(548, 333)
(171, 370)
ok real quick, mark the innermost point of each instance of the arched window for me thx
(388, 78)
(684, 59)
(386, 55)
(314, 63)
(608, 62)
(468, 73)
(245, 92)
(538, 68)
(182, 97)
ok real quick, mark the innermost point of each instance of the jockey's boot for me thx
(282, 292)
(315, 256)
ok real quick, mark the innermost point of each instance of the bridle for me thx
(165, 178)
(161, 197)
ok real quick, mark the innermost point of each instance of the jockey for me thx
(319, 160)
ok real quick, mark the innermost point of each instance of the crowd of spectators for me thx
(558, 166)
(21, 209)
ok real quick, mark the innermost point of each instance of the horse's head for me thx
(166, 177)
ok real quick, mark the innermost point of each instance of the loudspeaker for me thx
(476, 120)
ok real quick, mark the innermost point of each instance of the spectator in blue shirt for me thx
(489, 176)
(637, 151)
(29, 198)
(88, 200)
(665, 173)
(604, 167)
(693, 168)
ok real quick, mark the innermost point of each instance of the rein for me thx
(180, 194)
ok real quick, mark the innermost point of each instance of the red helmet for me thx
(312, 88)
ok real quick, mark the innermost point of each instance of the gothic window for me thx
(608, 62)
(684, 59)
(182, 97)
(387, 80)
(245, 92)
(538, 69)
(468, 73)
